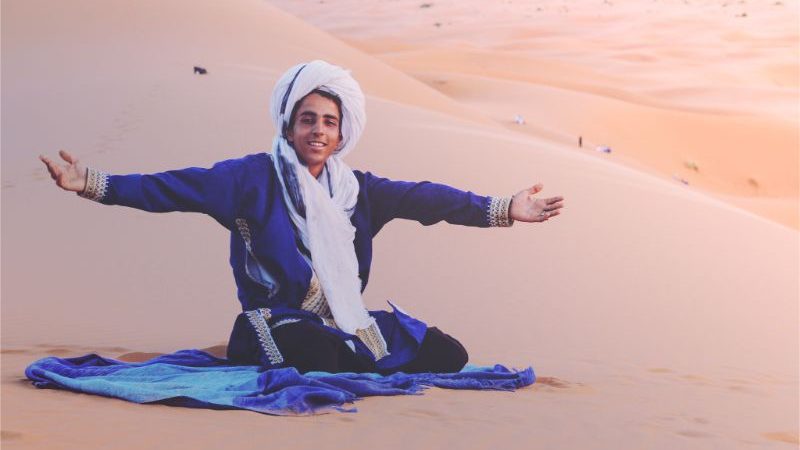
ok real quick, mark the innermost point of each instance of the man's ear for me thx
(289, 135)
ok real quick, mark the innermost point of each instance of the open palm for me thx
(70, 176)
(527, 208)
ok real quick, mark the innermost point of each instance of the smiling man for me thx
(302, 223)
(314, 129)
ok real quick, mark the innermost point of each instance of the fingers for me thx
(52, 167)
(66, 156)
(554, 207)
(535, 188)
(547, 216)
(553, 200)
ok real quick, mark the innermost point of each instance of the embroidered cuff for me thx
(373, 339)
(498, 212)
(258, 319)
(96, 185)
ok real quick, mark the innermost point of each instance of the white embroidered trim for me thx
(373, 339)
(284, 322)
(96, 185)
(498, 212)
(258, 318)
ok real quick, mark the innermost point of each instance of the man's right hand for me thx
(70, 176)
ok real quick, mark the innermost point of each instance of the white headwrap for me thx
(321, 214)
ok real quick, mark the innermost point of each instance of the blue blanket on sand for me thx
(193, 378)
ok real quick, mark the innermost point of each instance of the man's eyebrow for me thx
(313, 114)
(308, 113)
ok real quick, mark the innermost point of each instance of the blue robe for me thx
(244, 195)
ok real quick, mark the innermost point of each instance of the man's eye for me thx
(306, 120)
(331, 123)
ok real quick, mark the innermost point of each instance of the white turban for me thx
(301, 79)
(321, 214)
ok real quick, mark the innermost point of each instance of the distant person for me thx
(302, 224)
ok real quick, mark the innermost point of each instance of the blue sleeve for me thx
(424, 202)
(210, 191)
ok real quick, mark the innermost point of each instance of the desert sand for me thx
(700, 92)
(656, 314)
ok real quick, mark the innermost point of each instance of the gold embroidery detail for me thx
(315, 300)
(498, 212)
(284, 322)
(329, 322)
(373, 339)
(244, 230)
(96, 185)
(316, 303)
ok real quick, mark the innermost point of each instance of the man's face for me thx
(315, 134)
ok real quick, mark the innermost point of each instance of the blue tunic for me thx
(244, 195)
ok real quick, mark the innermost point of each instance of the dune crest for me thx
(704, 93)
(657, 316)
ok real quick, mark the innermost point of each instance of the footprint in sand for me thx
(697, 380)
(422, 413)
(553, 384)
(39, 174)
(8, 435)
(219, 350)
(690, 424)
(61, 351)
(138, 356)
(80, 349)
(14, 351)
(783, 436)
(127, 120)
(694, 433)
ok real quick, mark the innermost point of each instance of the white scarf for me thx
(322, 221)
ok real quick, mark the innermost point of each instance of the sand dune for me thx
(702, 92)
(655, 315)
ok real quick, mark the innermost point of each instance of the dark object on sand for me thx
(580, 141)
(200, 70)
(680, 179)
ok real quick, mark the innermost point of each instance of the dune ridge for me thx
(703, 93)
(656, 316)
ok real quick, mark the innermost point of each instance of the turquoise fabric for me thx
(192, 378)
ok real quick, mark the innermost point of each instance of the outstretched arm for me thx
(210, 191)
(429, 203)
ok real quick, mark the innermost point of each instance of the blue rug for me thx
(192, 378)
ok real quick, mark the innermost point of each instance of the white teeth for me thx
(316, 144)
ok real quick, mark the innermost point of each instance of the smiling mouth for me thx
(317, 144)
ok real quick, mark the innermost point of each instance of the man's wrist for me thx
(499, 214)
(96, 185)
